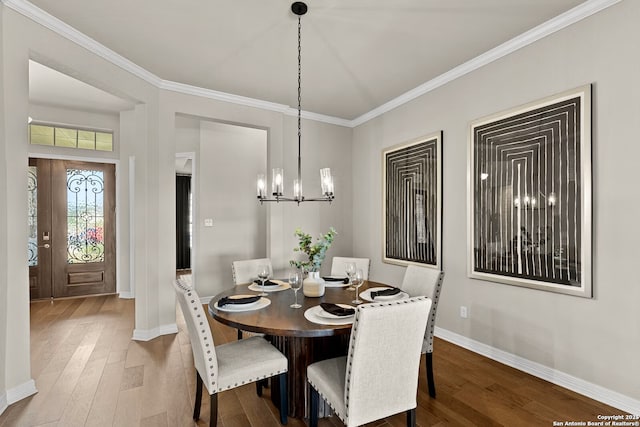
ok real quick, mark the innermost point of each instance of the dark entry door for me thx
(75, 229)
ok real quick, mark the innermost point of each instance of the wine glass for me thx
(263, 274)
(350, 269)
(358, 280)
(295, 280)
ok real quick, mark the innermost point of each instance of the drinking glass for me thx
(263, 274)
(350, 269)
(358, 280)
(295, 280)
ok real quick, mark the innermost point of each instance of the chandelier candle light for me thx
(277, 177)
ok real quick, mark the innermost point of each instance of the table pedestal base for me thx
(301, 352)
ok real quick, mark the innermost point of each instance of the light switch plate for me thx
(208, 222)
(464, 313)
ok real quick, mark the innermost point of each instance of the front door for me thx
(72, 228)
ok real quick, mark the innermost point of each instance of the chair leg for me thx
(430, 381)
(213, 416)
(284, 404)
(260, 384)
(313, 410)
(411, 417)
(196, 405)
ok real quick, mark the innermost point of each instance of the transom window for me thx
(59, 136)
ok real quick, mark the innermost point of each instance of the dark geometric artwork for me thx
(530, 195)
(412, 195)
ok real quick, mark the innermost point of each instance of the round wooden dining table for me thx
(302, 341)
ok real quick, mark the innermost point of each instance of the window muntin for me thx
(40, 134)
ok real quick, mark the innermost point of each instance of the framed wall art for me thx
(529, 186)
(412, 202)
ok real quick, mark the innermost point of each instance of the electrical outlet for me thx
(463, 312)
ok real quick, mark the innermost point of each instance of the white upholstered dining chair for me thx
(428, 282)
(379, 376)
(339, 265)
(230, 365)
(246, 271)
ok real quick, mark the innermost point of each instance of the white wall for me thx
(4, 241)
(230, 159)
(187, 134)
(125, 202)
(596, 340)
(15, 277)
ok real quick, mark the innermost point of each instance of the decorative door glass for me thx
(32, 188)
(85, 216)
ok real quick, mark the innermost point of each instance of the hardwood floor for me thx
(89, 372)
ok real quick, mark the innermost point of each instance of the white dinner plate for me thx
(313, 315)
(366, 295)
(281, 287)
(257, 305)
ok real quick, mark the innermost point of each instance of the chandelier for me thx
(277, 179)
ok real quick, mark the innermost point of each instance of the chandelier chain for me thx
(299, 95)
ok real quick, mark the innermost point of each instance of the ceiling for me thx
(356, 55)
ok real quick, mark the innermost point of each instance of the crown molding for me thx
(250, 102)
(319, 117)
(67, 31)
(221, 96)
(561, 21)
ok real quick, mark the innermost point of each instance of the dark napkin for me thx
(336, 279)
(266, 283)
(246, 300)
(336, 310)
(385, 292)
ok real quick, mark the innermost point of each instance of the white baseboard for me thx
(149, 334)
(205, 300)
(593, 391)
(3, 403)
(125, 295)
(20, 392)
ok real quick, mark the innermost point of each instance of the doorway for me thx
(184, 223)
(72, 244)
(185, 209)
